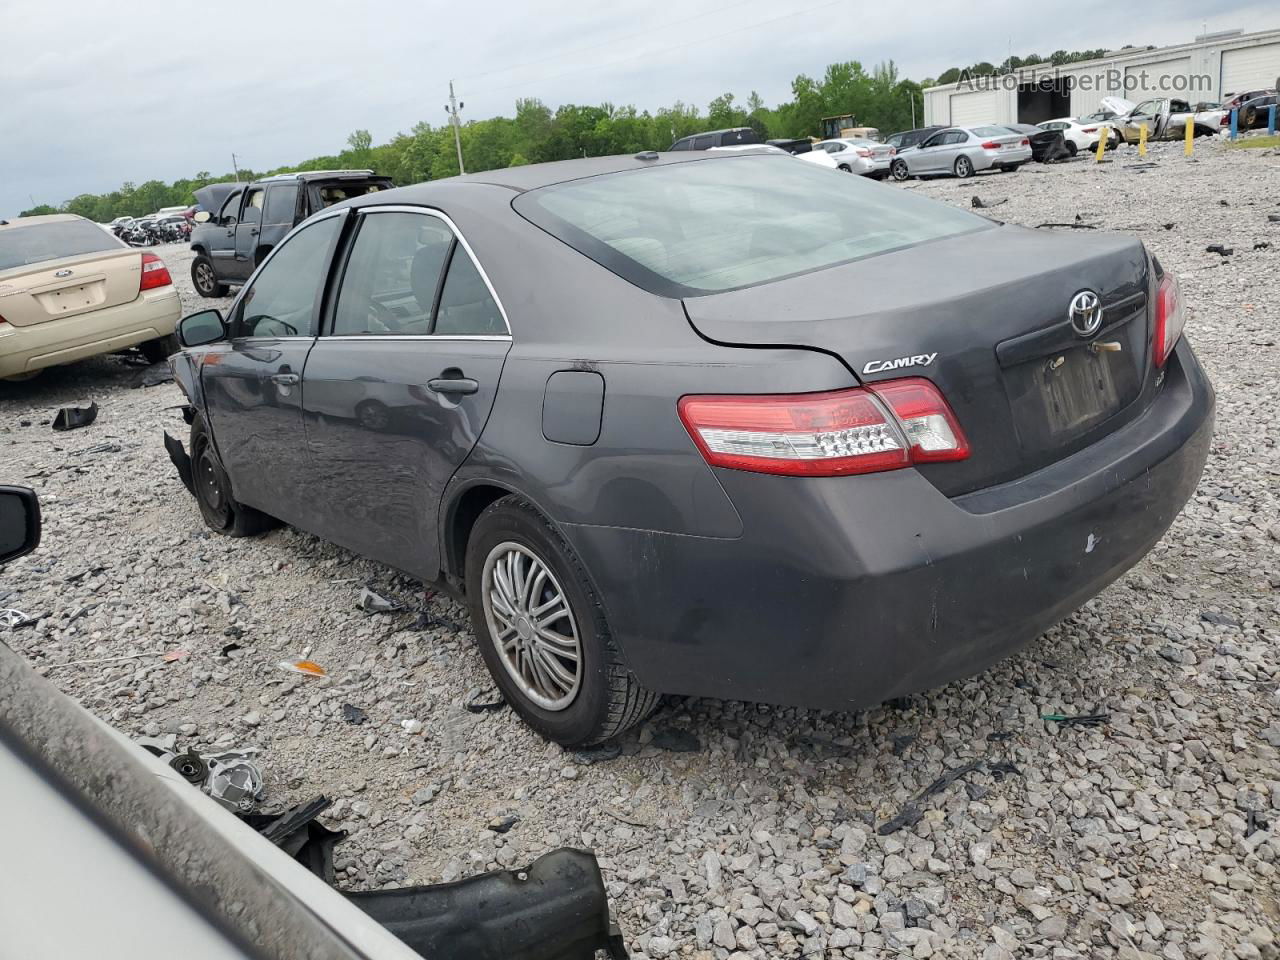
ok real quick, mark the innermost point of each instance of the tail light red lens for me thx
(864, 153)
(1090, 129)
(154, 273)
(990, 145)
(1026, 142)
(1171, 317)
(861, 430)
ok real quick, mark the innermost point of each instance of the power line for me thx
(667, 49)
(604, 43)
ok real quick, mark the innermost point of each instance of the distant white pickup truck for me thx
(1164, 117)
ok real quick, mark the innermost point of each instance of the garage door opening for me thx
(1038, 102)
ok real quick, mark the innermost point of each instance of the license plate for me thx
(1064, 395)
(71, 298)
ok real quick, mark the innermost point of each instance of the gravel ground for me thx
(729, 829)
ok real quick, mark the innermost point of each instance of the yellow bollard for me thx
(1142, 140)
(1103, 134)
(1191, 132)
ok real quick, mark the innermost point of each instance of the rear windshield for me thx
(707, 226)
(994, 131)
(20, 246)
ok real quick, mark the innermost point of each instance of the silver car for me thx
(865, 157)
(962, 152)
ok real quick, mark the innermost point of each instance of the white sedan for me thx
(1081, 134)
(864, 157)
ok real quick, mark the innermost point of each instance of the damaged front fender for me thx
(178, 455)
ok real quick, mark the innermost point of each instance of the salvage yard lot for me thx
(728, 827)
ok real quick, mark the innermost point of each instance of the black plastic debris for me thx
(493, 701)
(1076, 225)
(1145, 165)
(1262, 245)
(1219, 249)
(179, 458)
(1081, 720)
(675, 740)
(228, 649)
(153, 375)
(911, 812)
(1223, 203)
(299, 834)
(430, 621)
(979, 204)
(371, 602)
(1254, 823)
(1218, 619)
(1273, 217)
(1003, 768)
(502, 825)
(998, 735)
(554, 909)
(598, 754)
(73, 418)
(1168, 226)
(353, 714)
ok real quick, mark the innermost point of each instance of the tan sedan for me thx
(70, 290)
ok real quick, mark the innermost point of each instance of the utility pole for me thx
(235, 167)
(913, 109)
(452, 109)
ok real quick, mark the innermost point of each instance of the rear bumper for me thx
(844, 592)
(1004, 158)
(154, 313)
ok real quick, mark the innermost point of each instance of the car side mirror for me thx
(19, 522)
(201, 328)
(202, 216)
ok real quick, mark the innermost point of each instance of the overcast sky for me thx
(93, 93)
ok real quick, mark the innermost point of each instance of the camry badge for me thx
(1085, 313)
(919, 360)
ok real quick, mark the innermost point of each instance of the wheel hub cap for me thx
(532, 626)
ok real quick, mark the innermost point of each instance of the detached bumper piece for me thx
(178, 454)
(556, 909)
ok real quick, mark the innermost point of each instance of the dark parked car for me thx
(911, 138)
(802, 145)
(1046, 145)
(1256, 111)
(732, 137)
(241, 222)
(617, 405)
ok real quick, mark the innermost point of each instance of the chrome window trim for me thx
(462, 241)
(372, 338)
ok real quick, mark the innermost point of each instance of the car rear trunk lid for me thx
(985, 317)
(53, 289)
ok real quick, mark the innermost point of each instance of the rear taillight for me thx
(1026, 142)
(1090, 129)
(154, 273)
(1226, 119)
(1171, 317)
(991, 145)
(861, 430)
(864, 153)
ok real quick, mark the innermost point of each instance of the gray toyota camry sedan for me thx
(728, 426)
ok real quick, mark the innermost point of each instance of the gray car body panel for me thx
(827, 592)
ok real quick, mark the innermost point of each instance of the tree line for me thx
(877, 98)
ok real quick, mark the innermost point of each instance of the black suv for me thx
(732, 137)
(241, 222)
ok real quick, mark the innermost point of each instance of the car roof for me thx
(535, 175)
(707, 133)
(314, 175)
(45, 218)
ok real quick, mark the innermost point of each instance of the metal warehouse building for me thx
(1210, 69)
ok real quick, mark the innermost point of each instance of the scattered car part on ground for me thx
(300, 413)
(230, 777)
(69, 290)
(73, 418)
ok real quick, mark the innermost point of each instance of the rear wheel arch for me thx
(460, 519)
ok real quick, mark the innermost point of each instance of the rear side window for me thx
(704, 143)
(701, 227)
(20, 246)
(282, 203)
(467, 309)
(389, 285)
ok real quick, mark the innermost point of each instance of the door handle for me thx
(286, 379)
(453, 385)
(253, 232)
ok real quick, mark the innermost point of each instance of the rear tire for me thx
(221, 511)
(601, 698)
(963, 168)
(204, 279)
(846, 168)
(899, 171)
(1072, 149)
(160, 348)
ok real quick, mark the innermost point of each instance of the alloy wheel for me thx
(204, 277)
(532, 626)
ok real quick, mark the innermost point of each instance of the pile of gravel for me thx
(730, 830)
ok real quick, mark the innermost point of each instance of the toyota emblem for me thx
(1085, 313)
